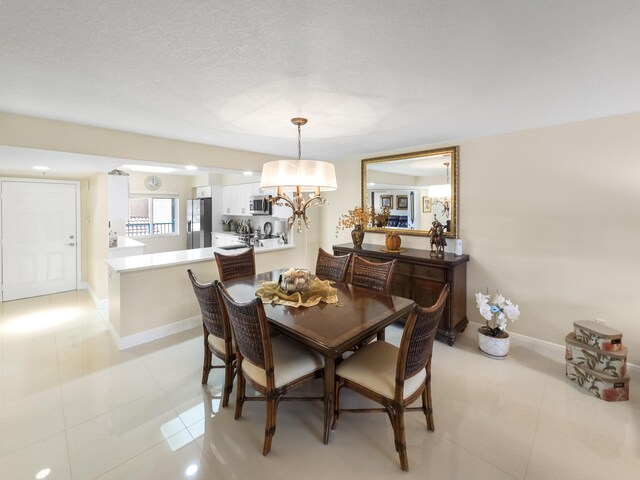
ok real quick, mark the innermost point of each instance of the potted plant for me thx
(357, 219)
(493, 339)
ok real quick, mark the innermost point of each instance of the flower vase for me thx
(357, 235)
(493, 347)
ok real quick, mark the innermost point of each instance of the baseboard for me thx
(543, 346)
(101, 303)
(154, 334)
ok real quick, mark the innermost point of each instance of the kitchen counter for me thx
(126, 247)
(150, 296)
(155, 260)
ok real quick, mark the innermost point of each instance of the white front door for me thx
(39, 238)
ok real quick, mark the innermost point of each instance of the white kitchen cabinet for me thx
(228, 199)
(118, 202)
(244, 192)
(202, 192)
(235, 198)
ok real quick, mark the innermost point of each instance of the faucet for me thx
(246, 239)
(255, 240)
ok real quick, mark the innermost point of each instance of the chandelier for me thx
(298, 177)
(441, 194)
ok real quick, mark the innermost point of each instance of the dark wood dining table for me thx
(330, 329)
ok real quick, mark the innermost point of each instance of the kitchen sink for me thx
(234, 246)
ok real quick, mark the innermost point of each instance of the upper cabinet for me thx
(118, 202)
(202, 192)
(235, 198)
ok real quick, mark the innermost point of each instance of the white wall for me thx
(550, 217)
(95, 242)
(172, 185)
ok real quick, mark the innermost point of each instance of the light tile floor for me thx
(73, 405)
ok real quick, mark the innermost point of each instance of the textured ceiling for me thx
(370, 75)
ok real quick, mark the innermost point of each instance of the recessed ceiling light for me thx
(371, 184)
(247, 173)
(191, 167)
(37, 167)
(148, 168)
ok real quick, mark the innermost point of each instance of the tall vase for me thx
(493, 347)
(357, 235)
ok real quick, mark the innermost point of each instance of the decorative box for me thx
(598, 335)
(603, 386)
(610, 363)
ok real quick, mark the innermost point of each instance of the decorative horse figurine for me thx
(437, 237)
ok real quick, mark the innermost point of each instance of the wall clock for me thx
(152, 182)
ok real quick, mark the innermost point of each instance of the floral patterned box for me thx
(605, 387)
(598, 335)
(609, 363)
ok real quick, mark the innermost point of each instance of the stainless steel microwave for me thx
(260, 205)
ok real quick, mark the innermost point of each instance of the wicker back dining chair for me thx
(332, 267)
(395, 377)
(217, 335)
(236, 265)
(374, 275)
(273, 366)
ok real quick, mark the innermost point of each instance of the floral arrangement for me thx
(496, 311)
(381, 217)
(358, 217)
(295, 280)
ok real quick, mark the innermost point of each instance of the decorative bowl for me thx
(295, 280)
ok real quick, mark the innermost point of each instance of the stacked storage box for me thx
(597, 360)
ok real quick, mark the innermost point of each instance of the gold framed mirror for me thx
(416, 188)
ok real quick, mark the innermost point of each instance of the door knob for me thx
(70, 244)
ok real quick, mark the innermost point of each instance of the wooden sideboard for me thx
(419, 275)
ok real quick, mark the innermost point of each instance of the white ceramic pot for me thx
(493, 347)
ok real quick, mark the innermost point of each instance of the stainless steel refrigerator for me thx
(198, 223)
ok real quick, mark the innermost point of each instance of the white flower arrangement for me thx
(496, 312)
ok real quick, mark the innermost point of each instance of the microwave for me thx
(260, 205)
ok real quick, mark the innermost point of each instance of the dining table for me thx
(330, 329)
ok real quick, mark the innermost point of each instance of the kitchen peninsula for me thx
(150, 296)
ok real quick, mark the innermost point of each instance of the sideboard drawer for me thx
(403, 268)
(433, 273)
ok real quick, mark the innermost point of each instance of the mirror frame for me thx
(455, 188)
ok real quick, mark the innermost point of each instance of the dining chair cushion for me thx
(374, 367)
(217, 343)
(291, 360)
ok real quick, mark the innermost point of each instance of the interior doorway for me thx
(39, 227)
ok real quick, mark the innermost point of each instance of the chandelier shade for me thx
(290, 179)
(309, 175)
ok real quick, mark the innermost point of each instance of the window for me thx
(152, 215)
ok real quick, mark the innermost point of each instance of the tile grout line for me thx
(64, 416)
(535, 433)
